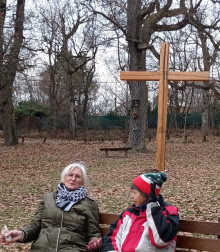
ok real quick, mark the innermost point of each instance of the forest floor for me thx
(31, 169)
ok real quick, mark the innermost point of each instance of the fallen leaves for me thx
(30, 170)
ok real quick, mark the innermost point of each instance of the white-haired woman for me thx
(66, 220)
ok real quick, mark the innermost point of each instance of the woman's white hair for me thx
(71, 167)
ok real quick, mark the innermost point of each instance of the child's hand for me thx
(153, 197)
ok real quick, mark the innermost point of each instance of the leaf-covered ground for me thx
(33, 168)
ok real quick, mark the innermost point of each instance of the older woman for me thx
(66, 220)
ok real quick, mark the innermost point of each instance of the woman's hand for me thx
(16, 235)
(94, 243)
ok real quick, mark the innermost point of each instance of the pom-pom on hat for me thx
(144, 182)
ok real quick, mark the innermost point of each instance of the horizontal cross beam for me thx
(172, 76)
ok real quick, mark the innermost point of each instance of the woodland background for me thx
(65, 58)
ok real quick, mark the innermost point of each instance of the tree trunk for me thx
(207, 65)
(72, 129)
(205, 115)
(138, 90)
(7, 117)
(8, 68)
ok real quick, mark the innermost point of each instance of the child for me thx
(149, 225)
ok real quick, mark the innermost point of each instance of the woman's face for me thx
(74, 179)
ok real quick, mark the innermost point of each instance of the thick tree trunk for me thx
(138, 116)
(8, 68)
(138, 90)
(207, 65)
(7, 118)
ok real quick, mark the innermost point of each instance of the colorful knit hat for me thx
(144, 181)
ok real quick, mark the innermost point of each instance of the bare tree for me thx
(70, 40)
(11, 38)
(196, 47)
(146, 23)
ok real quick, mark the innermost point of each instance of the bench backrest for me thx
(205, 236)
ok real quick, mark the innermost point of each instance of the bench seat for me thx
(107, 149)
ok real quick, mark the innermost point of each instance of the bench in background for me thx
(193, 234)
(107, 149)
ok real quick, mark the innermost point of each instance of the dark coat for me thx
(52, 229)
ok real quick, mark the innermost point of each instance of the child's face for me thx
(137, 197)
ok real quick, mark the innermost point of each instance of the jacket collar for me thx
(140, 208)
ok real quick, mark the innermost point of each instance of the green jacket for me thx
(53, 230)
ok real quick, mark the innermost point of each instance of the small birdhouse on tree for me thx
(136, 102)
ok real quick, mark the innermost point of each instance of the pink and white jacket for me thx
(148, 228)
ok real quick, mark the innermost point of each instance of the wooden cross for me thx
(163, 76)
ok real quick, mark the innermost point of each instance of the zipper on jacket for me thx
(58, 236)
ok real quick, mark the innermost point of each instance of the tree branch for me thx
(112, 21)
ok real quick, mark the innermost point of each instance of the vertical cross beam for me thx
(162, 107)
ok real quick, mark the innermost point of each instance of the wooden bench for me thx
(192, 234)
(107, 149)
